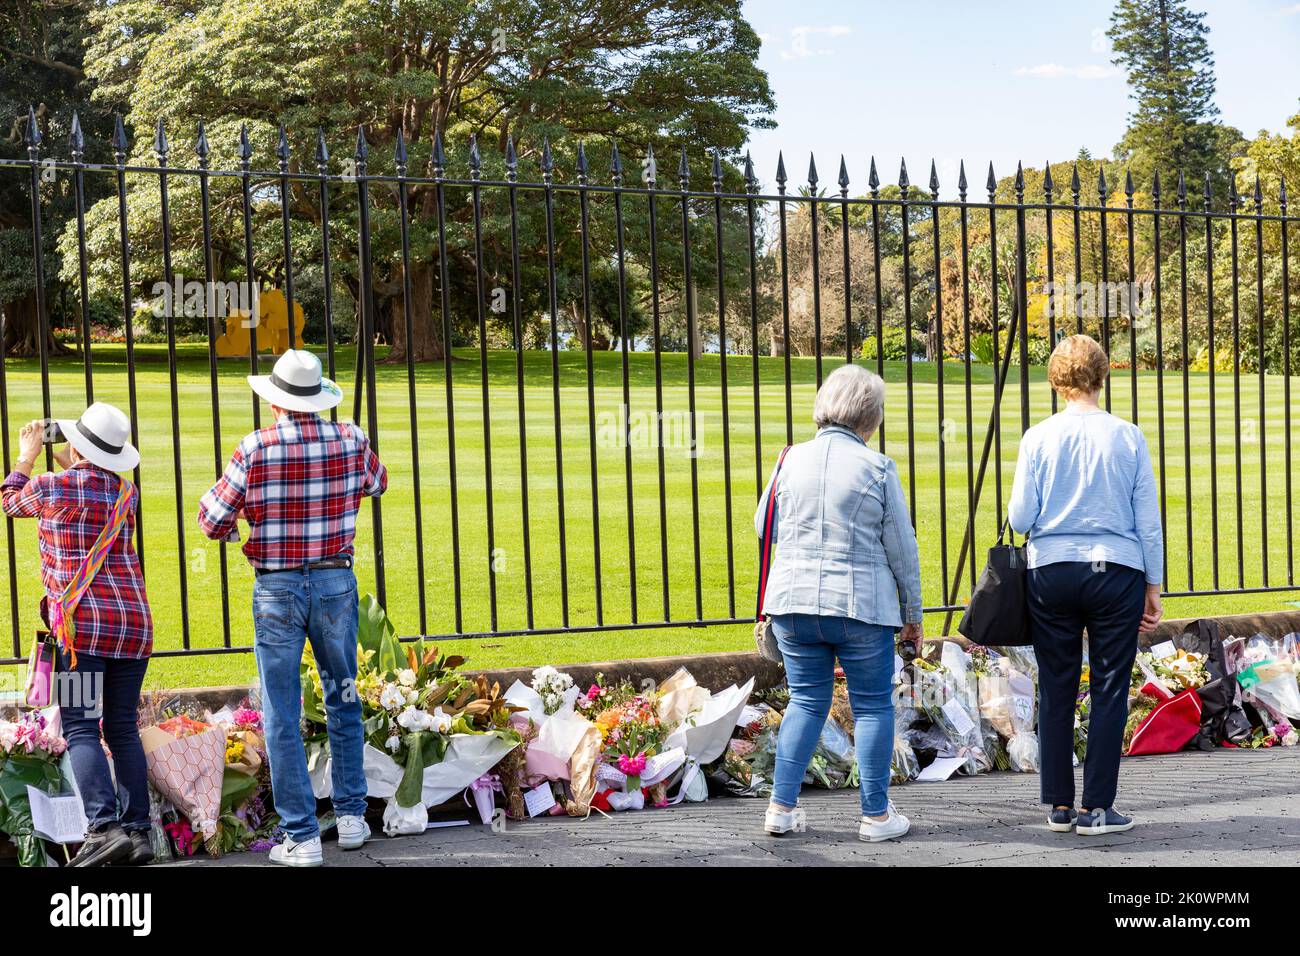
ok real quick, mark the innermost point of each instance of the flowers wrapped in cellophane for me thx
(1266, 671)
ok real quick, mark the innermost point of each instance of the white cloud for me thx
(799, 41)
(1290, 11)
(1056, 71)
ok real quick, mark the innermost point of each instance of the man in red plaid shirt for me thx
(298, 483)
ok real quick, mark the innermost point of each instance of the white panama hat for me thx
(297, 384)
(102, 436)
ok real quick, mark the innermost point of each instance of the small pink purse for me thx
(40, 671)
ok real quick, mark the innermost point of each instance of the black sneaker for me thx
(1061, 821)
(1097, 822)
(141, 849)
(109, 844)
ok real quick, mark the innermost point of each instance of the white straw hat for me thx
(296, 384)
(102, 436)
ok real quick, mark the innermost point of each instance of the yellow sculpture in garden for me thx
(272, 327)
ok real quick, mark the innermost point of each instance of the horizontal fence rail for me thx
(580, 384)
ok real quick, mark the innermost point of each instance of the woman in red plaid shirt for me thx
(109, 631)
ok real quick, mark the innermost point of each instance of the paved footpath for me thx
(1224, 807)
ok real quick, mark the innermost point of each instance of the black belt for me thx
(326, 564)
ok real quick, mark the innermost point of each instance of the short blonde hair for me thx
(1078, 366)
(852, 398)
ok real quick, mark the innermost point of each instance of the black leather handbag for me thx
(998, 612)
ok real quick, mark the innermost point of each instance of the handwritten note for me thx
(57, 819)
(539, 800)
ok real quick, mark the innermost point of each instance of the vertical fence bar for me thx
(38, 265)
(944, 430)
(1075, 189)
(814, 229)
(649, 176)
(848, 298)
(548, 193)
(10, 550)
(282, 155)
(476, 204)
(991, 184)
(161, 150)
(616, 174)
(1286, 383)
(366, 353)
(905, 190)
(722, 371)
(785, 298)
(1022, 298)
(404, 223)
(1214, 357)
(751, 187)
(516, 287)
(78, 144)
(1160, 365)
(254, 318)
(210, 301)
(1234, 203)
(1187, 361)
(1261, 429)
(439, 160)
(873, 181)
(1054, 299)
(327, 279)
(966, 349)
(1103, 198)
(1128, 299)
(128, 318)
(692, 342)
(584, 234)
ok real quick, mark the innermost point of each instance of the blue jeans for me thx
(289, 608)
(107, 689)
(810, 644)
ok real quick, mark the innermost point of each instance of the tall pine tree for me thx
(1163, 46)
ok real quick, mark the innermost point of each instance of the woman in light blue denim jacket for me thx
(845, 577)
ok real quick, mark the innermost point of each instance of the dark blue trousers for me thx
(103, 694)
(1064, 600)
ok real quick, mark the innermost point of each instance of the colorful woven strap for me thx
(63, 609)
(765, 545)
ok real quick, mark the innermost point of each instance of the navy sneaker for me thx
(1097, 822)
(1061, 821)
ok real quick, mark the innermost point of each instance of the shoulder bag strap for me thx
(62, 610)
(765, 545)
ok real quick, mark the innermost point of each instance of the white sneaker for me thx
(290, 853)
(892, 827)
(353, 832)
(777, 822)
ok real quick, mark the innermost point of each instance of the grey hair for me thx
(851, 397)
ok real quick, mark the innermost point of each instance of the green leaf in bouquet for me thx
(236, 787)
(375, 633)
(17, 772)
(419, 750)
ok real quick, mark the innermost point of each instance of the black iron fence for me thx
(604, 336)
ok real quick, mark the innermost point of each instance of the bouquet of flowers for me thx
(247, 820)
(1176, 672)
(1266, 671)
(948, 696)
(551, 686)
(30, 751)
(630, 733)
(1082, 710)
(186, 760)
(430, 730)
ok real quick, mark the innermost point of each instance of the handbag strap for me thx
(765, 545)
(1006, 526)
(65, 606)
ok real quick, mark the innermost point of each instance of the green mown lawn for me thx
(163, 526)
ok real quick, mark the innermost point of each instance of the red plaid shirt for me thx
(72, 508)
(298, 484)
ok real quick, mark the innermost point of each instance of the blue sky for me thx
(996, 80)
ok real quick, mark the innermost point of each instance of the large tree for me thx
(618, 72)
(1164, 48)
(40, 70)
